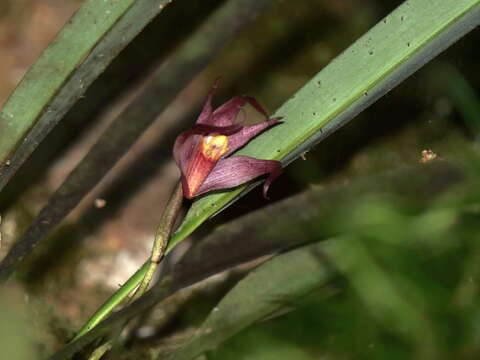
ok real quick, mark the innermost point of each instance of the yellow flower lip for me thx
(214, 146)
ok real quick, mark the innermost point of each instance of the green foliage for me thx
(92, 38)
(407, 285)
(264, 291)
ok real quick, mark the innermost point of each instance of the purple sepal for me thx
(237, 170)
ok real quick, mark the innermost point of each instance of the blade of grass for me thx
(186, 62)
(82, 50)
(400, 44)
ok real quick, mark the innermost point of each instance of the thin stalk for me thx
(160, 243)
(164, 231)
(144, 275)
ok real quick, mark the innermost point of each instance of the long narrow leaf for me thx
(396, 47)
(92, 38)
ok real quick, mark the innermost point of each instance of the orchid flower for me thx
(203, 153)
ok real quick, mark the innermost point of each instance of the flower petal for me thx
(206, 116)
(238, 170)
(226, 114)
(240, 138)
(187, 142)
(199, 167)
(185, 145)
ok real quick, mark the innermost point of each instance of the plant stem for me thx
(162, 236)
(160, 242)
(145, 274)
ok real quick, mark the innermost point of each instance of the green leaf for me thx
(396, 47)
(91, 39)
(264, 291)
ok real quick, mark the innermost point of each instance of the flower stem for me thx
(145, 274)
(160, 242)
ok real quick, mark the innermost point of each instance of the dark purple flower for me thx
(202, 153)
